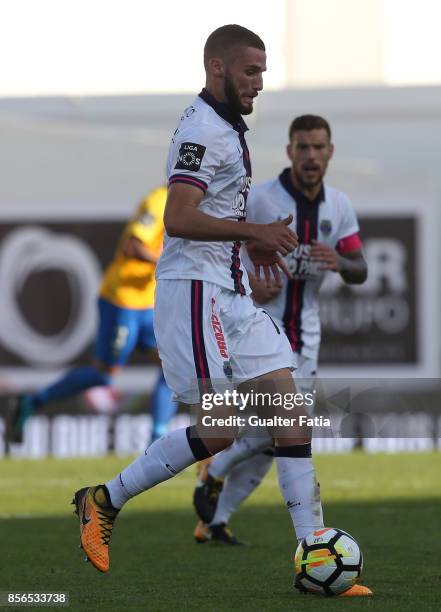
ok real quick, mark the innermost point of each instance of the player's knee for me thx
(215, 445)
(203, 446)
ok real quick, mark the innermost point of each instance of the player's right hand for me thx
(278, 236)
(261, 291)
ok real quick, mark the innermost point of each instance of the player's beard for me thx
(309, 184)
(233, 97)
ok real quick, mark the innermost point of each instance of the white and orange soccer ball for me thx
(328, 562)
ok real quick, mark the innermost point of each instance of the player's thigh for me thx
(117, 333)
(262, 361)
(279, 406)
(217, 429)
(257, 345)
(193, 355)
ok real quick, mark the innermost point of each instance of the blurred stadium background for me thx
(87, 109)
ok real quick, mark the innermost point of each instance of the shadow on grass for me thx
(157, 566)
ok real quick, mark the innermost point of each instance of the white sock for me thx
(301, 493)
(161, 461)
(241, 482)
(241, 449)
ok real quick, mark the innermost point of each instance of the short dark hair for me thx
(221, 41)
(307, 123)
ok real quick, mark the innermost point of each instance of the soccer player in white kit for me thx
(328, 232)
(207, 329)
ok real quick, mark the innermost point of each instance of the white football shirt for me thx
(329, 219)
(208, 150)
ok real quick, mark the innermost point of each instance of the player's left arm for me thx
(348, 262)
(347, 256)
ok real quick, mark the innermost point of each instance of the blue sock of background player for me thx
(73, 382)
(163, 408)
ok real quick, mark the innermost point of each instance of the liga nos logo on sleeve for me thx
(190, 156)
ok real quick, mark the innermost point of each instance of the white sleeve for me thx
(195, 154)
(348, 222)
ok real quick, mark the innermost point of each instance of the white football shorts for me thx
(205, 333)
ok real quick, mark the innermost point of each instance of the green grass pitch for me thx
(390, 503)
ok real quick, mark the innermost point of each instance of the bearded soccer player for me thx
(328, 232)
(200, 276)
(125, 314)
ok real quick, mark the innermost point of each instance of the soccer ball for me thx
(328, 562)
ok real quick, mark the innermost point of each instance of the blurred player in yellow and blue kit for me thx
(125, 308)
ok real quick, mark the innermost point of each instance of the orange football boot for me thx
(358, 590)
(97, 515)
(202, 533)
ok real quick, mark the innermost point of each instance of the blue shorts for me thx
(120, 330)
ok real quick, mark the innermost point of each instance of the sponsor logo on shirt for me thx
(239, 205)
(300, 264)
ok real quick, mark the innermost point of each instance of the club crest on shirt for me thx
(190, 156)
(325, 227)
